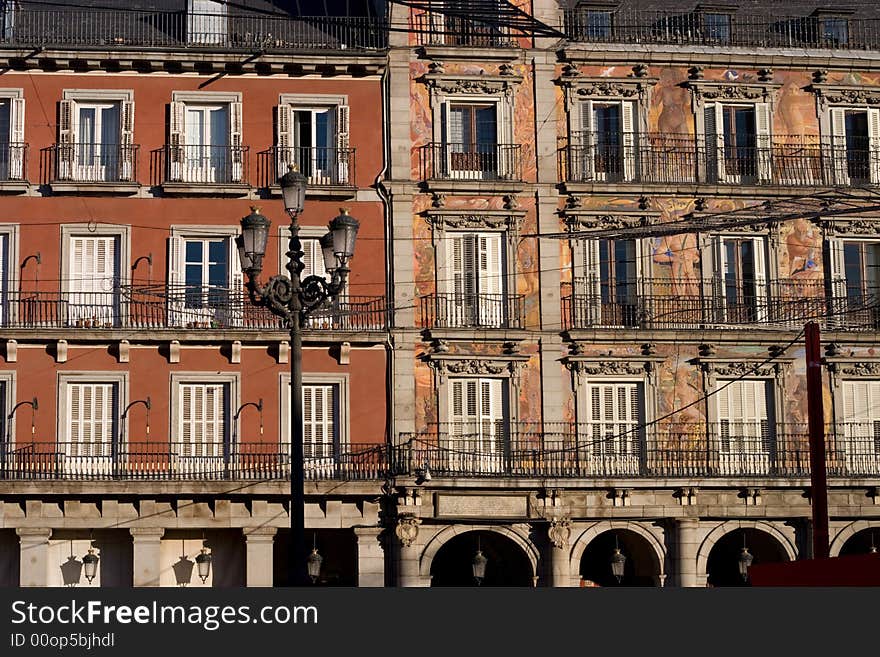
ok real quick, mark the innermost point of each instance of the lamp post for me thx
(292, 299)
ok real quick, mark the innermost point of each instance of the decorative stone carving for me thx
(856, 369)
(438, 200)
(686, 496)
(847, 95)
(621, 496)
(510, 202)
(705, 90)
(833, 349)
(700, 204)
(608, 367)
(466, 221)
(507, 69)
(861, 226)
(820, 75)
(765, 74)
(559, 532)
(474, 366)
(644, 202)
(407, 530)
(440, 346)
(640, 70)
(437, 67)
(478, 85)
(707, 349)
(573, 202)
(740, 369)
(571, 70)
(579, 222)
(695, 72)
(608, 89)
(511, 347)
(649, 349)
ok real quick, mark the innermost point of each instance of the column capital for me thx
(146, 533)
(368, 531)
(687, 522)
(34, 533)
(259, 533)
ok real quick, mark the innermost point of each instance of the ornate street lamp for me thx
(90, 565)
(618, 560)
(478, 565)
(292, 299)
(314, 565)
(745, 560)
(203, 564)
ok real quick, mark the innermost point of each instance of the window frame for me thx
(343, 420)
(339, 130)
(233, 382)
(179, 146)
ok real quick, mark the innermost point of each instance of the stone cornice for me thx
(846, 94)
(722, 90)
(578, 220)
(868, 226)
(861, 367)
(470, 84)
(475, 219)
(494, 365)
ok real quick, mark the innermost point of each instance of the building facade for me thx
(524, 366)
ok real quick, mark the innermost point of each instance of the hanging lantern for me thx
(90, 565)
(618, 559)
(203, 564)
(314, 564)
(479, 566)
(745, 560)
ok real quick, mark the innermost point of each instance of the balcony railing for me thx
(185, 307)
(154, 461)
(323, 167)
(696, 303)
(748, 30)
(91, 162)
(473, 311)
(201, 165)
(471, 161)
(621, 450)
(436, 29)
(791, 160)
(13, 161)
(236, 30)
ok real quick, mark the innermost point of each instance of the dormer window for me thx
(595, 20)
(832, 26)
(716, 27)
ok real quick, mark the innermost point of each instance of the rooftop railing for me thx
(436, 29)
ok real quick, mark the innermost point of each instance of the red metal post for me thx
(816, 423)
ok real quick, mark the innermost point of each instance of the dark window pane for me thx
(598, 24)
(835, 30)
(717, 27)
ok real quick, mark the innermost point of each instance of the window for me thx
(607, 138)
(597, 24)
(313, 133)
(93, 280)
(203, 414)
(452, 30)
(741, 281)
(206, 22)
(834, 30)
(12, 146)
(8, 243)
(860, 425)
(855, 280)
(716, 27)
(95, 137)
(325, 421)
(473, 281)
(7, 15)
(855, 138)
(738, 142)
(205, 279)
(478, 426)
(745, 430)
(614, 429)
(205, 139)
(470, 140)
(608, 278)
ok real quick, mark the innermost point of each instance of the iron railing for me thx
(721, 28)
(201, 165)
(187, 461)
(91, 162)
(704, 303)
(323, 167)
(783, 160)
(628, 450)
(436, 29)
(13, 161)
(471, 161)
(473, 311)
(186, 307)
(233, 30)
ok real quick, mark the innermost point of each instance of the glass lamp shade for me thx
(314, 564)
(203, 563)
(245, 260)
(293, 190)
(479, 566)
(328, 252)
(254, 235)
(618, 560)
(745, 560)
(90, 565)
(344, 229)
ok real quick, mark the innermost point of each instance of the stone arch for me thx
(731, 525)
(849, 531)
(445, 535)
(579, 545)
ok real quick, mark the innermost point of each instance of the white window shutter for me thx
(126, 141)
(456, 405)
(283, 139)
(763, 141)
(491, 415)
(758, 246)
(874, 145)
(343, 126)
(586, 143)
(16, 139)
(838, 145)
(67, 116)
(235, 142)
(719, 290)
(838, 279)
(628, 141)
(592, 290)
(490, 284)
(714, 128)
(176, 140)
(175, 280)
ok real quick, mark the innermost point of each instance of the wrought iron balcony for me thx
(473, 311)
(176, 307)
(474, 162)
(164, 461)
(436, 29)
(13, 161)
(786, 161)
(236, 29)
(721, 28)
(625, 450)
(196, 164)
(323, 167)
(91, 162)
(648, 303)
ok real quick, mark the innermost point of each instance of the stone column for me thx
(371, 557)
(34, 561)
(559, 534)
(407, 531)
(147, 562)
(259, 565)
(687, 545)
